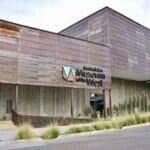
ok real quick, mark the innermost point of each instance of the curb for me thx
(87, 133)
(136, 126)
(100, 131)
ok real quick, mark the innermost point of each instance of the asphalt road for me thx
(137, 138)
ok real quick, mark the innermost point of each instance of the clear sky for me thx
(55, 15)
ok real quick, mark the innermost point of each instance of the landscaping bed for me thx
(52, 132)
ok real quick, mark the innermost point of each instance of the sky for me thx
(55, 15)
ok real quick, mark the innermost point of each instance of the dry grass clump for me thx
(79, 129)
(50, 133)
(25, 131)
(116, 123)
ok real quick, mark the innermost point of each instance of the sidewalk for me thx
(8, 132)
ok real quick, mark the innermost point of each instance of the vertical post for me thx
(41, 111)
(104, 96)
(17, 92)
(71, 102)
(110, 104)
(54, 94)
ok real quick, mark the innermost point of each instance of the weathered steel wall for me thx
(34, 57)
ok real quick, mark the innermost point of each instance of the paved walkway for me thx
(131, 138)
(9, 132)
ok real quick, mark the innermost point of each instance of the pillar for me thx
(107, 102)
(72, 114)
(17, 96)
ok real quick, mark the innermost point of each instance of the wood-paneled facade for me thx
(31, 62)
(129, 44)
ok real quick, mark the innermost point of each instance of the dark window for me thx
(9, 104)
(97, 102)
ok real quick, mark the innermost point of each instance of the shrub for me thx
(130, 120)
(144, 119)
(79, 129)
(148, 118)
(138, 118)
(75, 129)
(102, 125)
(87, 111)
(107, 124)
(4, 118)
(127, 121)
(87, 128)
(98, 126)
(114, 125)
(50, 133)
(25, 131)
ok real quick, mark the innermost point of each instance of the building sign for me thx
(68, 73)
(92, 76)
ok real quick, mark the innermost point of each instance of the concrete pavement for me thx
(8, 133)
(131, 138)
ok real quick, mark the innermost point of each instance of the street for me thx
(134, 138)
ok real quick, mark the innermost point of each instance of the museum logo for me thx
(91, 76)
(68, 73)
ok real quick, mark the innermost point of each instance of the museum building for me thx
(100, 62)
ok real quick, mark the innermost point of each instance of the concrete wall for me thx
(7, 92)
(50, 101)
(44, 101)
(125, 90)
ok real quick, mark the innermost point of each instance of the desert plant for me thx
(126, 121)
(103, 125)
(4, 117)
(138, 118)
(78, 115)
(117, 122)
(50, 133)
(98, 126)
(87, 111)
(130, 120)
(25, 131)
(79, 129)
(148, 118)
(74, 129)
(144, 118)
(130, 105)
(87, 128)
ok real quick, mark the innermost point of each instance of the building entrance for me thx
(97, 102)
